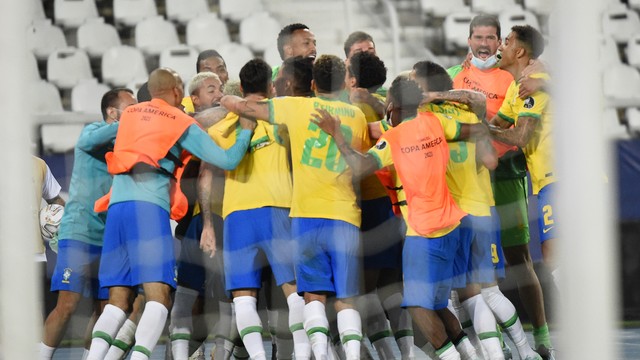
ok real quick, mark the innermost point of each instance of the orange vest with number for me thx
(146, 133)
(420, 155)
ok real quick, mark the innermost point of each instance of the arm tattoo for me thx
(518, 135)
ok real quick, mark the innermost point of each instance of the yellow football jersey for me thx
(539, 150)
(370, 187)
(322, 181)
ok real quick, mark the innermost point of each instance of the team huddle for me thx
(379, 213)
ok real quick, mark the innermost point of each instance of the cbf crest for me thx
(66, 274)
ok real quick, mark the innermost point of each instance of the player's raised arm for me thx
(249, 108)
(361, 164)
(477, 101)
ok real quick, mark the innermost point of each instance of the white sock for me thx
(85, 354)
(223, 348)
(151, 325)
(465, 322)
(485, 325)
(350, 329)
(506, 315)
(466, 350)
(104, 330)
(301, 346)
(46, 352)
(181, 323)
(556, 277)
(227, 322)
(249, 326)
(401, 324)
(449, 352)
(430, 351)
(316, 326)
(123, 341)
(378, 329)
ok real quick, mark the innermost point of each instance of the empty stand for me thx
(493, 7)
(608, 52)
(67, 67)
(516, 16)
(440, 9)
(620, 22)
(456, 30)
(271, 54)
(182, 11)
(96, 37)
(36, 10)
(236, 10)
(60, 138)
(611, 125)
(152, 35)
(86, 96)
(207, 31)
(235, 56)
(633, 51)
(45, 97)
(257, 30)
(122, 65)
(182, 59)
(32, 65)
(540, 7)
(72, 13)
(621, 85)
(130, 12)
(633, 119)
(43, 38)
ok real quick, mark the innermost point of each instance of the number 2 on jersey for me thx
(332, 161)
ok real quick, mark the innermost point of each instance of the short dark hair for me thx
(436, 76)
(329, 72)
(255, 77)
(485, 20)
(143, 92)
(405, 94)
(301, 70)
(205, 55)
(531, 38)
(111, 99)
(369, 71)
(285, 36)
(356, 37)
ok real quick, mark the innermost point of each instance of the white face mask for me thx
(484, 64)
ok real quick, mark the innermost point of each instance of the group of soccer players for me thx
(277, 187)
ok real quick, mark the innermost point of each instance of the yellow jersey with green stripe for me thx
(463, 178)
(370, 186)
(322, 181)
(263, 177)
(539, 149)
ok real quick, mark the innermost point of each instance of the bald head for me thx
(166, 84)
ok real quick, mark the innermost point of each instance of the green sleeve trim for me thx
(121, 345)
(296, 327)
(506, 118)
(351, 337)
(276, 134)
(385, 125)
(377, 158)
(180, 336)
(379, 335)
(274, 72)
(403, 333)
(458, 127)
(102, 335)
(271, 114)
(510, 322)
(249, 330)
(454, 71)
(142, 349)
(532, 115)
(488, 335)
(258, 141)
(314, 330)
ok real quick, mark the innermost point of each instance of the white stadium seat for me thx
(540, 7)
(73, 13)
(633, 51)
(130, 12)
(272, 55)
(96, 37)
(60, 138)
(86, 96)
(612, 128)
(34, 71)
(207, 31)
(36, 10)
(236, 10)
(256, 28)
(122, 65)
(621, 84)
(152, 35)
(493, 7)
(620, 22)
(235, 56)
(45, 96)
(516, 16)
(182, 59)
(456, 30)
(440, 9)
(43, 38)
(182, 11)
(608, 52)
(67, 67)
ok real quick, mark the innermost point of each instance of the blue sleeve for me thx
(198, 143)
(96, 135)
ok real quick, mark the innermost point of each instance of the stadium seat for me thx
(271, 54)
(182, 59)
(86, 96)
(182, 11)
(612, 127)
(493, 7)
(95, 37)
(72, 13)
(122, 65)
(540, 7)
(634, 4)
(633, 119)
(67, 67)
(152, 35)
(633, 51)
(441, 9)
(235, 55)
(236, 10)
(516, 16)
(130, 12)
(621, 85)
(608, 52)
(256, 28)
(43, 38)
(207, 31)
(32, 64)
(45, 96)
(37, 11)
(620, 22)
(60, 138)
(456, 30)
